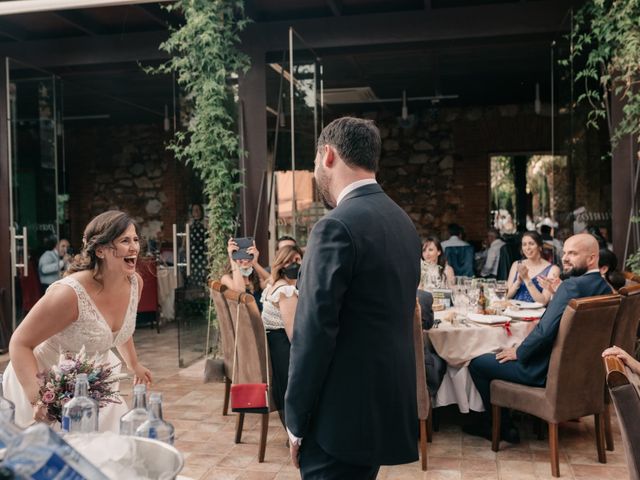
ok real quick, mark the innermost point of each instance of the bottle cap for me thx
(155, 397)
(81, 377)
(140, 388)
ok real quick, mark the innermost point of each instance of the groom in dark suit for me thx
(528, 363)
(350, 404)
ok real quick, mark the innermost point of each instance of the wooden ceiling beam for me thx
(158, 14)
(336, 7)
(12, 31)
(436, 25)
(80, 21)
(93, 50)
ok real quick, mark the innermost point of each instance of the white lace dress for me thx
(89, 330)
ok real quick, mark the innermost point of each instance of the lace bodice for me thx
(271, 316)
(91, 329)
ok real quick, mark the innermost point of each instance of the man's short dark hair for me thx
(50, 242)
(356, 140)
(454, 229)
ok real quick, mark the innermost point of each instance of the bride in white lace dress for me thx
(93, 306)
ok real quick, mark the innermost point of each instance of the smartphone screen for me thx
(243, 243)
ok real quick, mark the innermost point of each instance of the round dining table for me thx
(460, 342)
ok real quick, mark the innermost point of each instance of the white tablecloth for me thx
(458, 345)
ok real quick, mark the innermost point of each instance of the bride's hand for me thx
(141, 375)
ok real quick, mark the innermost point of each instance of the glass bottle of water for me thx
(7, 408)
(135, 417)
(39, 452)
(155, 427)
(80, 414)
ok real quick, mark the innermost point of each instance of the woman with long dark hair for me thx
(93, 307)
(279, 300)
(433, 255)
(524, 276)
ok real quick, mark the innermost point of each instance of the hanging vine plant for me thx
(605, 40)
(205, 59)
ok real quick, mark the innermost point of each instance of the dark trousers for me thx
(279, 347)
(485, 368)
(316, 464)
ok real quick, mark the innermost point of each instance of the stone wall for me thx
(125, 167)
(438, 167)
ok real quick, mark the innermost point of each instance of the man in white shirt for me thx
(52, 263)
(495, 243)
(455, 231)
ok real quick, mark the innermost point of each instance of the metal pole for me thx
(293, 140)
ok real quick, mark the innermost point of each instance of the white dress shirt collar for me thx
(352, 186)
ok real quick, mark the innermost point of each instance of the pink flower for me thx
(48, 396)
(67, 365)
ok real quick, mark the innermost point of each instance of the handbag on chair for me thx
(248, 397)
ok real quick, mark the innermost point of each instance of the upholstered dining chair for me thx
(424, 400)
(227, 336)
(575, 383)
(624, 336)
(148, 304)
(627, 404)
(253, 363)
(631, 277)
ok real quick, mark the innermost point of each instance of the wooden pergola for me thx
(470, 45)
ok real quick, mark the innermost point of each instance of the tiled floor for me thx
(207, 438)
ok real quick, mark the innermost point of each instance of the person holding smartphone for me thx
(245, 274)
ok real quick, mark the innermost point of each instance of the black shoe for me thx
(510, 434)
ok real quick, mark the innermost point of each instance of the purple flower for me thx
(48, 396)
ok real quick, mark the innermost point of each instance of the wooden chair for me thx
(632, 277)
(424, 400)
(624, 336)
(627, 404)
(575, 384)
(227, 336)
(253, 364)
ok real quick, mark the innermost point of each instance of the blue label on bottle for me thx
(153, 433)
(66, 421)
(56, 467)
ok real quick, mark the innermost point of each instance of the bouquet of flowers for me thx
(57, 384)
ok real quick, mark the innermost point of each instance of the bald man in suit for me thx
(528, 362)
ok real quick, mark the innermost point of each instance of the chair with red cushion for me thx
(149, 300)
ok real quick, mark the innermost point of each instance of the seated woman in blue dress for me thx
(524, 276)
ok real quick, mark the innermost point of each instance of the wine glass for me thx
(500, 292)
(473, 293)
(501, 289)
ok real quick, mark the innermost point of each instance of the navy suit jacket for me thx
(352, 375)
(534, 352)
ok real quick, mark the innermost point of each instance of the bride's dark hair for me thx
(101, 231)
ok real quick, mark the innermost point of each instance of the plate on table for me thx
(525, 305)
(524, 314)
(488, 319)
